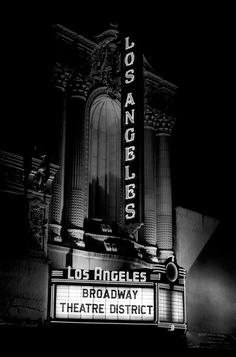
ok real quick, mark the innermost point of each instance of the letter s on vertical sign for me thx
(130, 211)
(130, 76)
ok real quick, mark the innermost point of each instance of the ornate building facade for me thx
(105, 198)
(93, 203)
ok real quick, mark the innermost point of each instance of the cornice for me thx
(10, 159)
(82, 42)
(158, 81)
(72, 37)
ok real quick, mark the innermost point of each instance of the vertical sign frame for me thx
(132, 131)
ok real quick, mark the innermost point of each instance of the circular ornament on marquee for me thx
(171, 272)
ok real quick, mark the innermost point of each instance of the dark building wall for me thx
(193, 230)
(211, 284)
(24, 267)
(24, 290)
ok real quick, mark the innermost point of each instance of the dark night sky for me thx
(190, 46)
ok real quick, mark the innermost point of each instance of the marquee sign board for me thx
(101, 295)
(104, 302)
(135, 296)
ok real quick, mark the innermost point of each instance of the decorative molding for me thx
(79, 86)
(158, 95)
(150, 77)
(164, 254)
(164, 124)
(69, 37)
(149, 118)
(108, 34)
(76, 236)
(54, 232)
(158, 120)
(12, 173)
(37, 226)
(106, 65)
(60, 76)
(151, 253)
(41, 176)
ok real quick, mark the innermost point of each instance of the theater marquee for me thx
(135, 296)
(80, 294)
(103, 302)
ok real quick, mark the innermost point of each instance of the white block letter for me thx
(129, 135)
(127, 175)
(129, 117)
(129, 100)
(129, 191)
(127, 44)
(130, 76)
(129, 59)
(129, 153)
(129, 209)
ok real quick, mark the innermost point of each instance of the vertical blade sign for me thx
(130, 133)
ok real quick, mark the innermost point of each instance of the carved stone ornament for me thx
(106, 65)
(164, 124)
(11, 175)
(40, 179)
(60, 76)
(78, 85)
(159, 120)
(37, 226)
(149, 118)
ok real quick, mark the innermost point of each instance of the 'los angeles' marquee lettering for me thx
(106, 275)
(129, 134)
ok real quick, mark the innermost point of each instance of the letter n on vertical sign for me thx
(132, 131)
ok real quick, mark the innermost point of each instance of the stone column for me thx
(164, 217)
(75, 166)
(58, 103)
(149, 183)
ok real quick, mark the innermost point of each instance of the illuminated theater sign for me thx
(92, 302)
(131, 110)
(80, 295)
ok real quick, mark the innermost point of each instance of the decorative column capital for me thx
(160, 121)
(149, 118)
(60, 76)
(164, 124)
(79, 85)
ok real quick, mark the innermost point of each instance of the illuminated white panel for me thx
(164, 305)
(177, 306)
(88, 302)
(171, 306)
